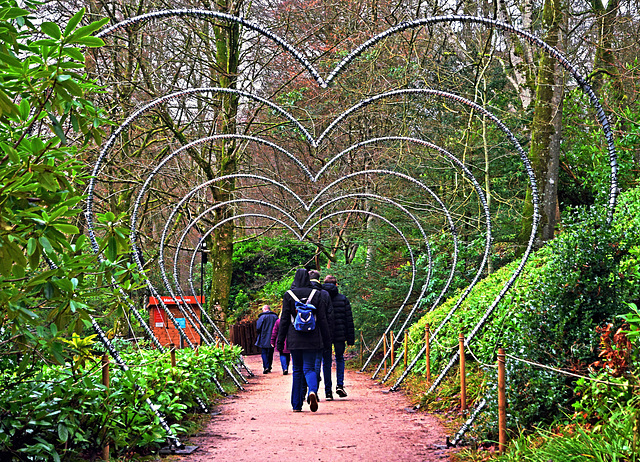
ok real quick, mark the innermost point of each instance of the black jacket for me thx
(343, 330)
(319, 337)
(264, 326)
(315, 284)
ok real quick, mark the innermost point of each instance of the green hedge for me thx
(64, 413)
(577, 282)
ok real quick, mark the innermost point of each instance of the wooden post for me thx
(173, 354)
(463, 382)
(392, 348)
(427, 353)
(384, 352)
(105, 382)
(502, 402)
(406, 348)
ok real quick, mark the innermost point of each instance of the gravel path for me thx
(368, 425)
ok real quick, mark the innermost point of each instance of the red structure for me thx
(163, 327)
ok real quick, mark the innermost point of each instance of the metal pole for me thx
(384, 347)
(173, 354)
(406, 347)
(463, 382)
(427, 353)
(361, 349)
(105, 382)
(502, 402)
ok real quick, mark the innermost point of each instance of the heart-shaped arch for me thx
(342, 66)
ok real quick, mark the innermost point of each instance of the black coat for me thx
(264, 326)
(316, 285)
(343, 329)
(316, 339)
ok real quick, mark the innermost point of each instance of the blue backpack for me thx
(305, 320)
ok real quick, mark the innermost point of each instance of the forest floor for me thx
(367, 425)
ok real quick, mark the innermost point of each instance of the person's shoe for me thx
(265, 371)
(297, 410)
(340, 392)
(268, 369)
(313, 401)
(285, 372)
(329, 396)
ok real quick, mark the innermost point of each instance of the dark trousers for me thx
(267, 357)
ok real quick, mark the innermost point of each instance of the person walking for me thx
(343, 330)
(285, 354)
(264, 327)
(303, 344)
(323, 358)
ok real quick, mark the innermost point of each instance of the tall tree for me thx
(546, 129)
(227, 45)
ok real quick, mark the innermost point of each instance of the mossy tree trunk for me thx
(544, 153)
(227, 41)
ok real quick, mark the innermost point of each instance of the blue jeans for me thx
(304, 375)
(267, 357)
(284, 361)
(339, 350)
(326, 368)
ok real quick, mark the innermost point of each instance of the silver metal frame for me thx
(300, 233)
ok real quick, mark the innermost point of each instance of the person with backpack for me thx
(343, 330)
(264, 326)
(303, 323)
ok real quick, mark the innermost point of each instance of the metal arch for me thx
(541, 44)
(428, 278)
(227, 17)
(340, 67)
(111, 141)
(159, 167)
(368, 195)
(421, 185)
(601, 116)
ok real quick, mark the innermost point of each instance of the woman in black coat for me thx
(304, 345)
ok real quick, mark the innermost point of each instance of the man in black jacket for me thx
(323, 360)
(343, 330)
(264, 326)
(303, 345)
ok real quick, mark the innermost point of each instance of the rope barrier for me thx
(570, 374)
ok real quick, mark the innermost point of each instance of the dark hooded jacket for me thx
(315, 284)
(319, 337)
(343, 330)
(264, 326)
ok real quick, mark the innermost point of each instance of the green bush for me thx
(576, 283)
(65, 413)
(259, 266)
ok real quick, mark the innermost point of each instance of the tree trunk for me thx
(545, 133)
(227, 39)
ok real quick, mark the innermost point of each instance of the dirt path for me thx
(368, 425)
